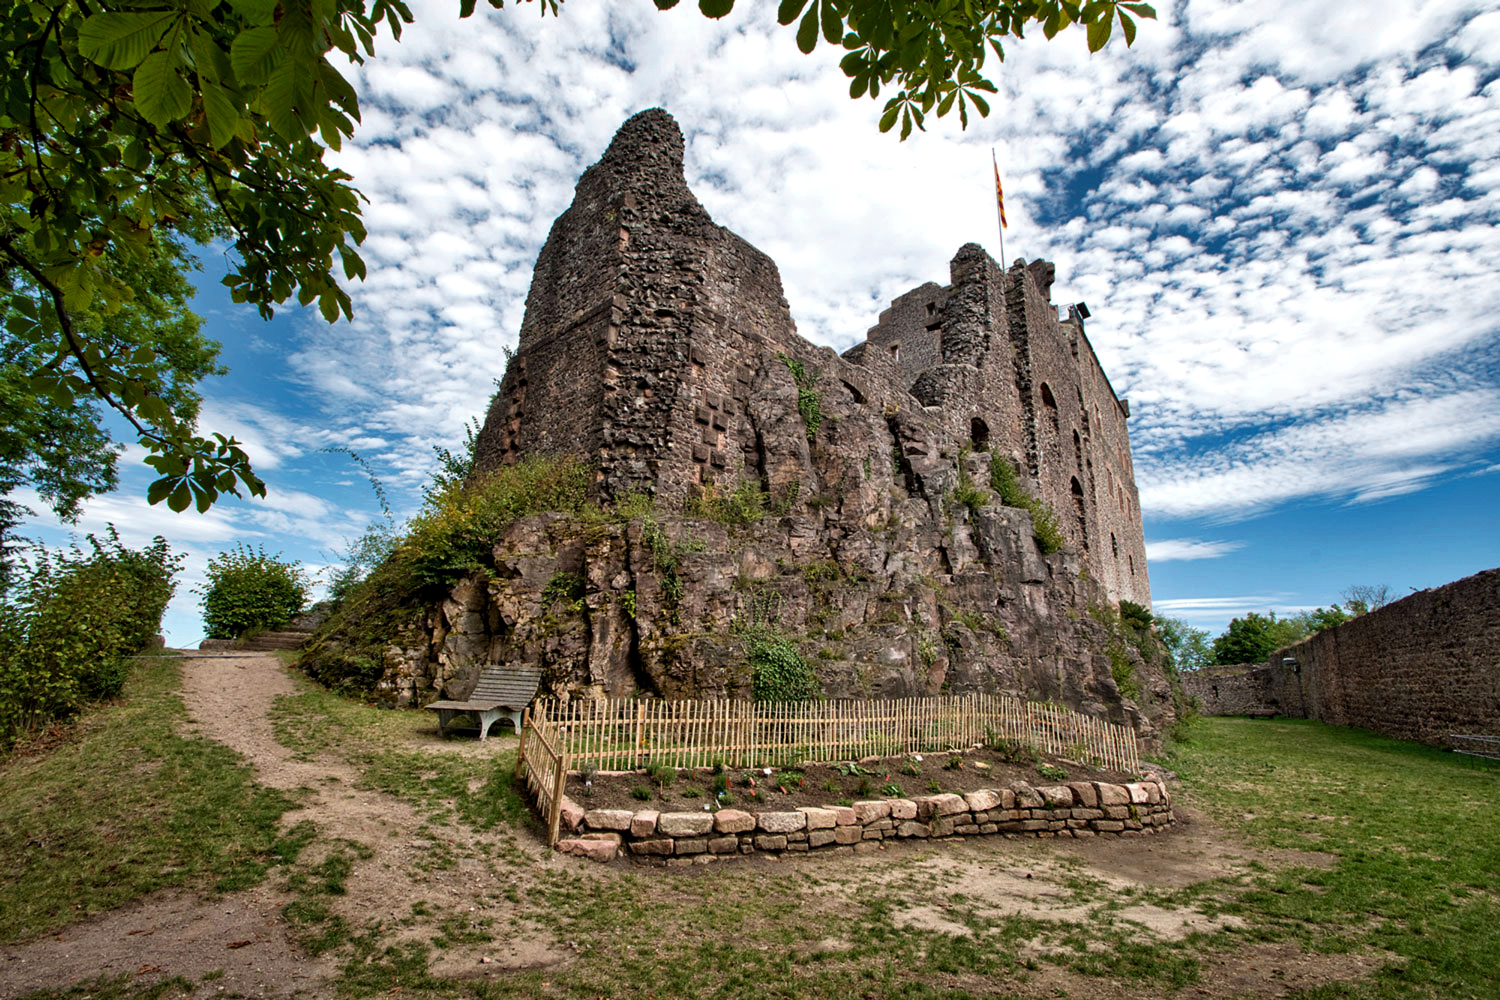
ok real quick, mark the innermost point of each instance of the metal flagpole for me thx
(999, 208)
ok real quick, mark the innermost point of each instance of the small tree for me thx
(248, 589)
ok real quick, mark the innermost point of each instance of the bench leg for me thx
(445, 716)
(487, 719)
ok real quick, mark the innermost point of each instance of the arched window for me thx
(1081, 513)
(1050, 402)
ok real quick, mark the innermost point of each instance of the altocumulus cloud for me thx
(1283, 218)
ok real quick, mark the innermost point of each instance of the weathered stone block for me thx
(770, 842)
(1057, 796)
(1137, 793)
(1088, 814)
(911, 828)
(659, 846)
(819, 819)
(643, 824)
(1085, 792)
(873, 834)
(817, 838)
(870, 812)
(845, 816)
(723, 845)
(983, 800)
(571, 814)
(1108, 825)
(1112, 795)
(685, 824)
(966, 829)
(848, 834)
(733, 821)
(946, 804)
(781, 822)
(598, 848)
(1027, 797)
(691, 845)
(903, 809)
(608, 819)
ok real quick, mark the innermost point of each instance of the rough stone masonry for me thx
(657, 346)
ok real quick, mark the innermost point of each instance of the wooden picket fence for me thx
(618, 734)
(543, 763)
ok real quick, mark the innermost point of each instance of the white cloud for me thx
(1185, 549)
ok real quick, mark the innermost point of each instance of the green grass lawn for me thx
(1413, 830)
(127, 806)
(1405, 874)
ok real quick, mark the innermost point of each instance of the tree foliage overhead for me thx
(127, 124)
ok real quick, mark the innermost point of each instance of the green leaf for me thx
(1128, 27)
(1099, 34)
(665, 4)
(714, 8)
(180, 497)
(256, 11)
(807, 31)
(833, 25)
(121, 41)
(159, 490)
(161, 94)
(888, 118)
(1141, 10)
(465, 8)
(789, 10)
(222, 112)
(254, 55)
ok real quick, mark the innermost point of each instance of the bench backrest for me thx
(513, 686)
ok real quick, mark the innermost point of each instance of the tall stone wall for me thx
(1419, 669)
(658, 347)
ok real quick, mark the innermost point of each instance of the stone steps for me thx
(291, 637)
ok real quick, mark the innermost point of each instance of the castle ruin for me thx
(650, 331)
(658, 349)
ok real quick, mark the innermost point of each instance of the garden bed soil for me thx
(827, 784)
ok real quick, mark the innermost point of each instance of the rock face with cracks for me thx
(841, 505)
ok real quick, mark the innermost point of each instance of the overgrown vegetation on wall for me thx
(70, 619)
(1007, 484)
(452, 537)
(809, 400)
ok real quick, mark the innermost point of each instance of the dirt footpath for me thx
(177, 933)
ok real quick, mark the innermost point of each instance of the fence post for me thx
(555, 812)
(521, 747)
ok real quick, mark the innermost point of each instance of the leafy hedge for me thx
(248, 589)
(68, 622)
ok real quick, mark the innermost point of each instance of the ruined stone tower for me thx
(650, 331)
(658, 349)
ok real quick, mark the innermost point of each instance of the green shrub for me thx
(248, 589)
(745, 504)
(778, 671)
(70, 619)
(456, 533)
(1007, 484)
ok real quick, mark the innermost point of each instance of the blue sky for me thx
(1283, 216)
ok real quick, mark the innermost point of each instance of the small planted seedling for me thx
(934, 788)
(911, 768)
(640, 792)
(955, 762)
(891, 790)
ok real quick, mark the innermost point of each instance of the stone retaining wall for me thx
(1075, 809)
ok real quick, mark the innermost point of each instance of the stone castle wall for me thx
(658, 347)
(653, 345)
(1421, 668)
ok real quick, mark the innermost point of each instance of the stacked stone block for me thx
(1072, 809)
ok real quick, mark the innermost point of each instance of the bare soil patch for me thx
(770, 789)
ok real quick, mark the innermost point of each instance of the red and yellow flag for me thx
(999, 192)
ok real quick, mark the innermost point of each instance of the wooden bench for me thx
(502, 692)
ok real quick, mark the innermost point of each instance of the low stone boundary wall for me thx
(1075, 809)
